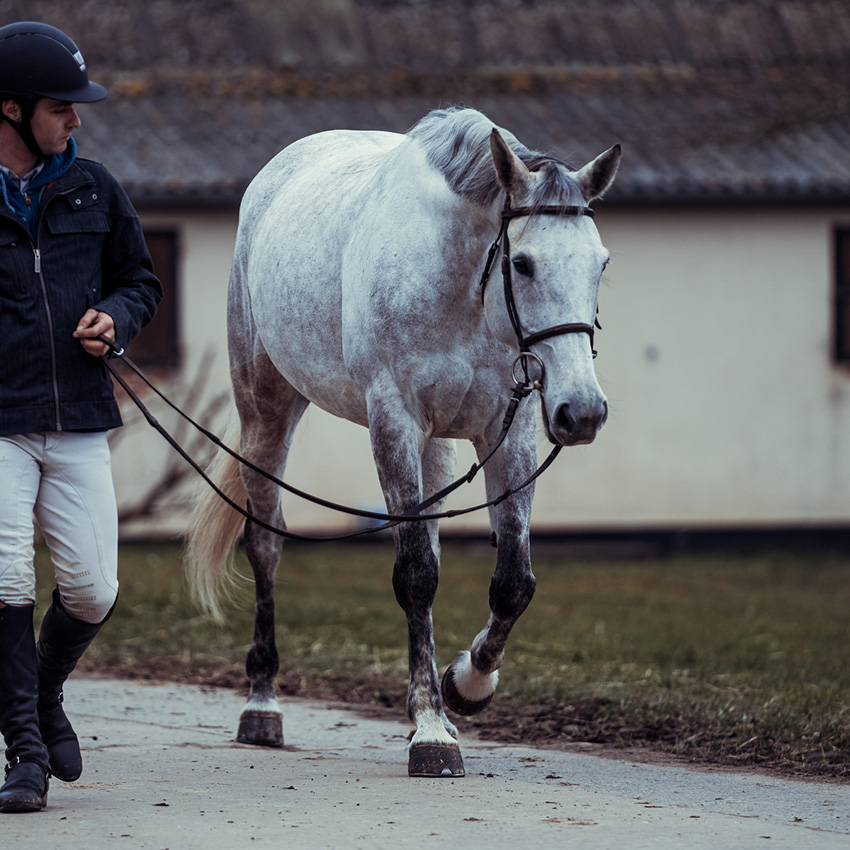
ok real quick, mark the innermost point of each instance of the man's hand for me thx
(92, 325)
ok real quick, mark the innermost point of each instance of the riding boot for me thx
(61, 643)
(25, 788)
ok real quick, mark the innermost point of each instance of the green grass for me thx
(718, 657)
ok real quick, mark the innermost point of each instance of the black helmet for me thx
(37, 60)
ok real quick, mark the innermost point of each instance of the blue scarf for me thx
(54, 167)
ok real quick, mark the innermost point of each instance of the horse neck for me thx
(474, 230)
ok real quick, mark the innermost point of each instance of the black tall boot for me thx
(61, 643)
(25, 788)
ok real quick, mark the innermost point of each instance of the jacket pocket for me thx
(17, 264)
(84, 221)
(72, 256)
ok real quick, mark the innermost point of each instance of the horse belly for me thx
(298, 323)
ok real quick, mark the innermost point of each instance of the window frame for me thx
(158, 345)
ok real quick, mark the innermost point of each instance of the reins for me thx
(414, 514)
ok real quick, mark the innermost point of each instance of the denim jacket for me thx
(84, 249)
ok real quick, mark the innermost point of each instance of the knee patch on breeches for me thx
(89, 606)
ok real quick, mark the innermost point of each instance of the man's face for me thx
(53, 122)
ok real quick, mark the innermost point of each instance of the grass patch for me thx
(731, 659)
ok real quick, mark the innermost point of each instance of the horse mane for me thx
(457, 143)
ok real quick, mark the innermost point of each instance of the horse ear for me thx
(597, 176)
(510, 169)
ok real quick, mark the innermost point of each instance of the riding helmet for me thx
(38, 60)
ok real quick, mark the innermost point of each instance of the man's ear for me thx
(11, 109)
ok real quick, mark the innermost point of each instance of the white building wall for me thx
(715, 355)
(726, 408)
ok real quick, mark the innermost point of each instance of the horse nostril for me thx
(564, 420)
(577, 424)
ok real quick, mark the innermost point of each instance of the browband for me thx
(509, 212)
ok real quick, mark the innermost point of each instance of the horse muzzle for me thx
(575, 423)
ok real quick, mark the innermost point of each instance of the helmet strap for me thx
(24, 126)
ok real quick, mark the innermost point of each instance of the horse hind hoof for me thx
(263, 728)
(452, 697)
(441, 760)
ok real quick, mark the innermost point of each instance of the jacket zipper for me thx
(37, 269)
(53, 370)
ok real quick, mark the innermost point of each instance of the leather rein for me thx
(414, 514)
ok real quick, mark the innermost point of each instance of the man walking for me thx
(73, 266)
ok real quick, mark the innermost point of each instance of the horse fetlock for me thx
(432, 729)
(488, 648)
(467, 691)
(450, 727)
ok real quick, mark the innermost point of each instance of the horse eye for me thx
(524, 266)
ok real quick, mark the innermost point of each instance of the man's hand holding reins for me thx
(93, 324)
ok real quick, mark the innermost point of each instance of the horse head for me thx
(552, 265)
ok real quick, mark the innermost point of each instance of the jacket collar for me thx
(55, 167)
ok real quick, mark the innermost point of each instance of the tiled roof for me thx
(727, 100)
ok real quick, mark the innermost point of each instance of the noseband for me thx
(525, 342)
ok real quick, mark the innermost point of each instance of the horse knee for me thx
(416, 571)
(415, 583)
(510, 595)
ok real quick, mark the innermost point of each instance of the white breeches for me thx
(64, 481)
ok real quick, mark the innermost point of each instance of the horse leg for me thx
(470, 680)
(269, 409)
(438, 466)
(433, 749)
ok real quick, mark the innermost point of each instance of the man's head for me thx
(41, 70)
(51, 123)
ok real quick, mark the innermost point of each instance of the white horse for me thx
(357, 285)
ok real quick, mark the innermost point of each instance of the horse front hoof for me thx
(264, 728)
(435, 760)
(454, 700)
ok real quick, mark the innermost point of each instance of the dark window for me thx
(158, 344)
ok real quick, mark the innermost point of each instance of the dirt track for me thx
(163, 771)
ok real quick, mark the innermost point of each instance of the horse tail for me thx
(214, 530)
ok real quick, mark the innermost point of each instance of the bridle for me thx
(525, 342)
(413, 514)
